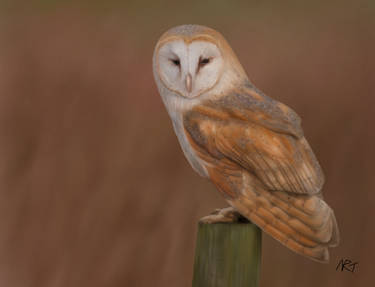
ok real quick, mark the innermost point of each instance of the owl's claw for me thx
(216, 211)
(224, 215)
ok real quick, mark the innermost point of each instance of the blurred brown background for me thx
(94, 189)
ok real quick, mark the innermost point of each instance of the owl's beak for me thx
(188, 82)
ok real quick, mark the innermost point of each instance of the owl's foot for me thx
(224, 215)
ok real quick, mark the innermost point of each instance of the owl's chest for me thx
(176, 106)
(189, 153)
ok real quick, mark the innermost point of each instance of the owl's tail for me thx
(303, 223)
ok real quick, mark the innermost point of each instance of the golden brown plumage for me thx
(249, 145)
(265, 168)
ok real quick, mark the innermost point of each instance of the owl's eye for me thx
(203, 61)
(176, 62)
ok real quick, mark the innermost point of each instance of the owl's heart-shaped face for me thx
(189, 69)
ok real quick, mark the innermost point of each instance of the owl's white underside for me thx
(175, 106)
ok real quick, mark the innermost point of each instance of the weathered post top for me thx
(227, 254)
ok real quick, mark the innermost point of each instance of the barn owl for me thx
(250, 146)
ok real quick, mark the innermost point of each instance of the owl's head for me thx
(190, 60)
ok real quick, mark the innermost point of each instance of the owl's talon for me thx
(224, 215)
(216, 211)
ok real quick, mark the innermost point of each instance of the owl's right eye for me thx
(176, 62)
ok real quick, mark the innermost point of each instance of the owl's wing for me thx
(258, 134)
(254, 152)
(249, 104)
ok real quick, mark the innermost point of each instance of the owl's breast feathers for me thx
(255, 153)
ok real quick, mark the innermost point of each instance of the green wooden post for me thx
(227, 255)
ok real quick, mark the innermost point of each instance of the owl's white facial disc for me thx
(189, 69)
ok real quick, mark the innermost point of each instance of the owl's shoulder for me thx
(247, 104)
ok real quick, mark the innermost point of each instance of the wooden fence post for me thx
(227, 255)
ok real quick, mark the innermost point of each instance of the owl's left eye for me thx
(204, 61)
(176, 62)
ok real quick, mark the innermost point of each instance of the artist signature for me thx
(346, 265)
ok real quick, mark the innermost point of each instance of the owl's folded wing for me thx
(258, 134)
(251, 105)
